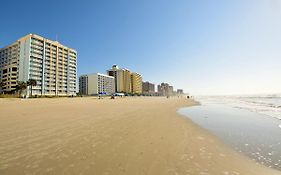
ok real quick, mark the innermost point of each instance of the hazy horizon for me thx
(204, 47)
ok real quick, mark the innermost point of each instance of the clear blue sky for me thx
(203, 46)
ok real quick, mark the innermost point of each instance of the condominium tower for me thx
(94, 84)
(48, 62)
(122, 79)
(136, 80)
(164, 89)
(180, 91)
(148, 88)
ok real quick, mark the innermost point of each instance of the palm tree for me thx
(31, 82)
(21, 86)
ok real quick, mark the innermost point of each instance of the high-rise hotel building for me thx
(51, 64)
(125, 80)
(122, 79)
(136, 83)
(164, 89)
(148, 88)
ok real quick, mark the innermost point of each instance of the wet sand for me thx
(255, 135)
(123, 136)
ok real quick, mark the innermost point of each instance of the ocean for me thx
(249, 124)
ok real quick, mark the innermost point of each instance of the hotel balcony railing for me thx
(36, 43)
(50, 76)
(36, 73)
(35, 65)
(35, 46)
(37, 55)
(40, 52)
(36, 78)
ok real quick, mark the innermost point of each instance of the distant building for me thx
(148, 88)
(125, 80)
(51, 64)
(122, 79)
(136, 80)
(113, 72)
(163, 89)
(171, 90)
(94, 84)
(179, 91)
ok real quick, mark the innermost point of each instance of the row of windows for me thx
(48, 44)
(4, 56)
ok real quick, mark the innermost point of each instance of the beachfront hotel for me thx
(94, 84)
(50, 63)
(148, 88)
(136, 83)
(122, 77)
(171, 90)
(164, 89)
(180, 91)
(125, 80)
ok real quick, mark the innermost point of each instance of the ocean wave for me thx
(268, 105)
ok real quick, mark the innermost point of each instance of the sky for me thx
(205, 47)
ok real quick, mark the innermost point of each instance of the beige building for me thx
(94, 84)
(136, 80)
(180, 91)
(125, 80)
(122, 79)
(50, 63)
(148, 88)
(164, 89)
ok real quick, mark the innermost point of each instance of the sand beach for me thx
(136, 135)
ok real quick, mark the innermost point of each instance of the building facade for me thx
(164, 89)
(180, 91)
(171, 90)
(113, 72)
(136, 80)
(122, 79)
(52, 65)
(94, 84)
(148, 88)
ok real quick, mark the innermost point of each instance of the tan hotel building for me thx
(50, 63)
(122, 79)
(136, 83)
(125, 80)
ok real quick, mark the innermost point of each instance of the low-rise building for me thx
(94, 84)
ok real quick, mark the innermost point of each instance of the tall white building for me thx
(94, 84)
(51, 64)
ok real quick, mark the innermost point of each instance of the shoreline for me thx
(240, 129)
(142, 135)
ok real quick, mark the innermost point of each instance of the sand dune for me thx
(140, 135)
